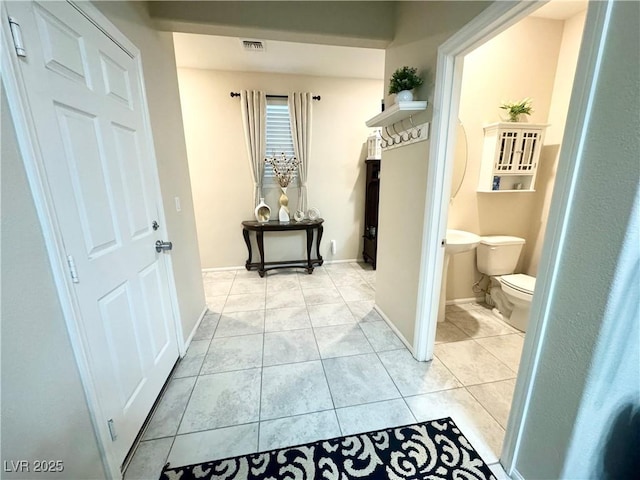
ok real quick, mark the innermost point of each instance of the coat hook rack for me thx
(401, 135)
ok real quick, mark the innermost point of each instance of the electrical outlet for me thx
(177, 200)
(333, 247)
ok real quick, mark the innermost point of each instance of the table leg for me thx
(245, 234)
(309, 245)
(260, 238)
(320, 231)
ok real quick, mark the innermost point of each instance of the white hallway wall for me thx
(579, 423)
(221, 179)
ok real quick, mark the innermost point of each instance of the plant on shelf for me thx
(403, 81)
(284, 168)
(515, 109)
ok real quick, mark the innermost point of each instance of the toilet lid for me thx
(521, 282)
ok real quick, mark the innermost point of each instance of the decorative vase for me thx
(283, 213)
(519, 117)
(404, 96)
(262, 212)
(298, 216)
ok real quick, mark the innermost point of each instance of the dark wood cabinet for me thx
(372, 195)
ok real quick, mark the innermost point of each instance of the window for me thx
(278, 136)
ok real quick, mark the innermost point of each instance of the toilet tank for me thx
(498, 254)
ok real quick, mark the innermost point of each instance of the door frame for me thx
(495, 19)
(36, 176)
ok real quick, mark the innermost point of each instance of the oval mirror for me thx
(459, 160)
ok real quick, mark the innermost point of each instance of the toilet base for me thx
(498, 297)
(519, 318)
(515, 313)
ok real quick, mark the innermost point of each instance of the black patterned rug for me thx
(428, 450)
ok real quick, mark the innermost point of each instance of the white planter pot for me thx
(404, 96)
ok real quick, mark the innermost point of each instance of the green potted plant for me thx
(403, 81)
(515, 109)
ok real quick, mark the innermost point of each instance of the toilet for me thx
(497, 257)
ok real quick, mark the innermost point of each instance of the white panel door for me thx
(85, 95)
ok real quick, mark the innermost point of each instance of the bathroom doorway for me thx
(494, 213)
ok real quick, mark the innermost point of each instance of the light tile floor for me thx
(293, 358)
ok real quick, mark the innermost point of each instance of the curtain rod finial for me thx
(234, 94)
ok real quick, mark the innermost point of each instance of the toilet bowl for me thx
(518, 289)
(497, 257)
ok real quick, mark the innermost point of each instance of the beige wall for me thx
(534, 58)
(219, 166)
(420, 28)
(44, 411)
(563, 84)
(403, 184)
(161, 84)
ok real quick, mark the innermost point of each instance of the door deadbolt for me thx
(163, 246)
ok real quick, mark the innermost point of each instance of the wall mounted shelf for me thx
(396, 113)
(510, 156)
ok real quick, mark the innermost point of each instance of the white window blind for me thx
(278, 136)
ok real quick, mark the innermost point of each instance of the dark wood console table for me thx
(275, 226)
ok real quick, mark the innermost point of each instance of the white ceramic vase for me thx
(283, 213)
(262, 212)
(404, 96)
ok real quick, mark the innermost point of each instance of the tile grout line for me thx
(499, 360)
(435, 356)
(261, 375)
(395, 384)
(482, 404)
(324, 370)
(385, 369)
(175, 436)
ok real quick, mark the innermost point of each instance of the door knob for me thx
(163, 246)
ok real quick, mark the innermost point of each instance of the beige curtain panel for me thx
(254, 118)
(300, 109)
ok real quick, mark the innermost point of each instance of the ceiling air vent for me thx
(253, 45)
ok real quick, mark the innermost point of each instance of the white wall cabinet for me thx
(510, 157)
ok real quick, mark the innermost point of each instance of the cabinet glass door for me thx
(506, 158)
(527, 145)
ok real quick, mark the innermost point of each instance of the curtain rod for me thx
(236, 94)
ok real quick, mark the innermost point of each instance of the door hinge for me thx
(16, 33)
(72, 269)
(112, 430)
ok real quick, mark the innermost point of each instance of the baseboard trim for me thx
(394, 328)
(222, 269)
(242, 267)
(458, 301)
(194, 329)
(348, 260)
(515, 475)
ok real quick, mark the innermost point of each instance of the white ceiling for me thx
(561, 9)
(226, 53)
